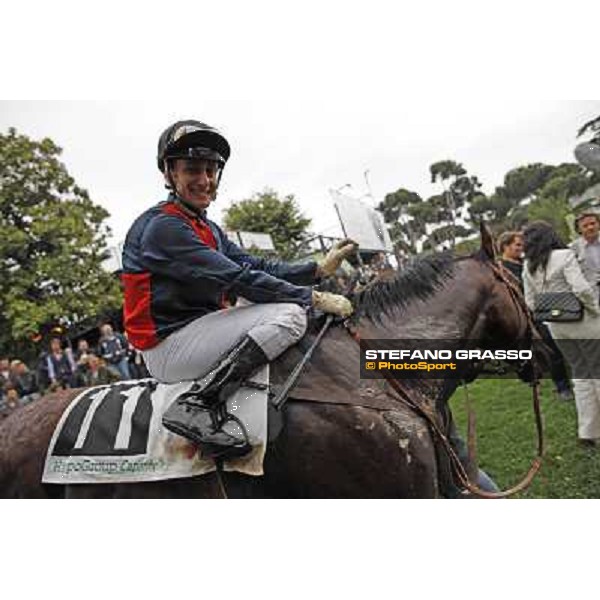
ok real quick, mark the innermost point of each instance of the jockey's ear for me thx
(487, 242)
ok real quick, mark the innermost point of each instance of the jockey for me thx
(181, 277)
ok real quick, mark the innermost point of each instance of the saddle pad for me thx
(114, 434)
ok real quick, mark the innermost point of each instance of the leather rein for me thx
(426, 413)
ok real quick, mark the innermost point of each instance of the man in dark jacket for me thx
(511, 248)
(57, 367)
(181, 276)
(95, 373)
(113, 348)
(25, 381)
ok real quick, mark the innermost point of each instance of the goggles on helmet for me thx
(197, 152)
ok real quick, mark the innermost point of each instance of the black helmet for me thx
(187, 139)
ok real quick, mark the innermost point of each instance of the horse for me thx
(341, 436)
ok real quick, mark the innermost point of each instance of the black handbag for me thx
(557, 307)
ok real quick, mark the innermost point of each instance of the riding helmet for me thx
(189, 139)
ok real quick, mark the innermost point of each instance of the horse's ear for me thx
(487, 242)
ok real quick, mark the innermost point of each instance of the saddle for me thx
(201, 414)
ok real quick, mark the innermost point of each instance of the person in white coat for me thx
(552, 267)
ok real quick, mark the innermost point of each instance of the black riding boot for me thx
(200, 414)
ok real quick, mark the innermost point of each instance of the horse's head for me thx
(442, 297)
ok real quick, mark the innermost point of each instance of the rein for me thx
(457, 467)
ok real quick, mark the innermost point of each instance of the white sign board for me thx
(363, 224)
(262, 241)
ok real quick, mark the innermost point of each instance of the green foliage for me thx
(437, 222)
(445, 169)
(408, 215)
(551, 201)
(524, 182)
(52, 244)
(460, 189)
(266, 212)
(554, 210)
(529, 192)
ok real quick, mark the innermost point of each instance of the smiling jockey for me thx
(181, 276)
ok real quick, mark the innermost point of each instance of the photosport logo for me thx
(434, 359)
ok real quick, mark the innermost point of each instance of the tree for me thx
(401, 209)
(524, 182)
(437, 222)
(552, 199)
(531, 192)
(453, 204)
(266, 212)
(52, 244)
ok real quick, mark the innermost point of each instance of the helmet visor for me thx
(197, 152)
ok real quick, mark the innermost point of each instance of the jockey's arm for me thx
(303, 273)
(175, 251)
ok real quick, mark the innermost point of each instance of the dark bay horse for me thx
(340, 437)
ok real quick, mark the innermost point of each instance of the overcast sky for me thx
(301, 147)
(311, 95)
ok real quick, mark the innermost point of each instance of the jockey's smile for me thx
(195, 181)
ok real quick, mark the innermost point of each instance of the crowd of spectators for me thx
(61, 367)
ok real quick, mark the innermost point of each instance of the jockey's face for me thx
(195, 181)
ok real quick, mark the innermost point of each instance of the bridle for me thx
(457, 468)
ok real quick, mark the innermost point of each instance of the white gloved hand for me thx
(332, 303)
(333, 259)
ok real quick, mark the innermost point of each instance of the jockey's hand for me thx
(332, 303)
(333, 259)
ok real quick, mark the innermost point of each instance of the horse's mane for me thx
(418, 280)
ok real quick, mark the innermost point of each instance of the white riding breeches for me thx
(194, 350)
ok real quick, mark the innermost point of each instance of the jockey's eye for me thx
(197, 167)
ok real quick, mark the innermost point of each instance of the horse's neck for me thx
(452, 314)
